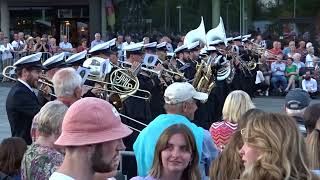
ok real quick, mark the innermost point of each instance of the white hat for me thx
(162, 45)
(245, 39)
(30, 60)
(211, 48)
(238, 38)
(112, 42)
(215, 42)
(229, 39)
(169, 54)
(193, 45)
(77, 57)
(151, 45)
(55, 61)
(137, 47)
(247, 36)
(309, 44)
(181, 48)
(182, 91)
(99, 47)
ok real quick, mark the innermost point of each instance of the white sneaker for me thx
(267, 93)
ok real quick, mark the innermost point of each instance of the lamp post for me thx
(179, 9)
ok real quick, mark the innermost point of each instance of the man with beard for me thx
(22, 103)
(92, 135)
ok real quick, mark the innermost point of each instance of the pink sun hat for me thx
(91, 121)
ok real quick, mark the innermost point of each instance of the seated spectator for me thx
(11, 154)
(278, 68)
(291, 74)
(302, 50)
(310, 85)
(276, 50)
(176, 143)
(274, 149)
(310, 116)
(264, 67)
(296, 102)
(290, 50)
(260, 84)
(297, 61)
(228, 165)
(65, 46)
(236, 104)
(83, 45)
(42, 158)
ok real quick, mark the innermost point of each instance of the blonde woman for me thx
(228, 165)
(274, 149)
(236, 104)
(175, 157)
(313, 147)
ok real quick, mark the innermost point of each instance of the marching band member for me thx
(162, 52)
(22, 103)
(150, 48)
(77, 59)
(51, 65)
(183, 63)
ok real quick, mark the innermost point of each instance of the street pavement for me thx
(269, 104)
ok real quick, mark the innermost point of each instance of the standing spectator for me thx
(11, 154)
(15, 43)
(119, 44)
(236, 104)
(259, 40)
(310, 55)
(97, 40)
(65, 45)
(310, 85)
(29, 48)
(42, 158)
(291, 74)
(302, 50)
(278, 68)
(83, 45)
(43, 46)
(6, 51)
(22, 41)
(1, 37)
(94, 144)
(53, 48)
(296, 102)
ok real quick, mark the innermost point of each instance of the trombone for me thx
(10, 70)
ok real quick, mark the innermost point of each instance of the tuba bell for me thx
(198, 34)
(217, 33)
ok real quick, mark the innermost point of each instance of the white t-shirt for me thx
(60, 176)
(309, 61)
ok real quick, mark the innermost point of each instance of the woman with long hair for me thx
(236, 104)
(11, 154)
(175, 157)
(274, 149)
(228, 165)
(313, 147)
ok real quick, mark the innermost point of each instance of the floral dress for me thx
(39, 162)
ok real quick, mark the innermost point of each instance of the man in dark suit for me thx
(22, 103)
